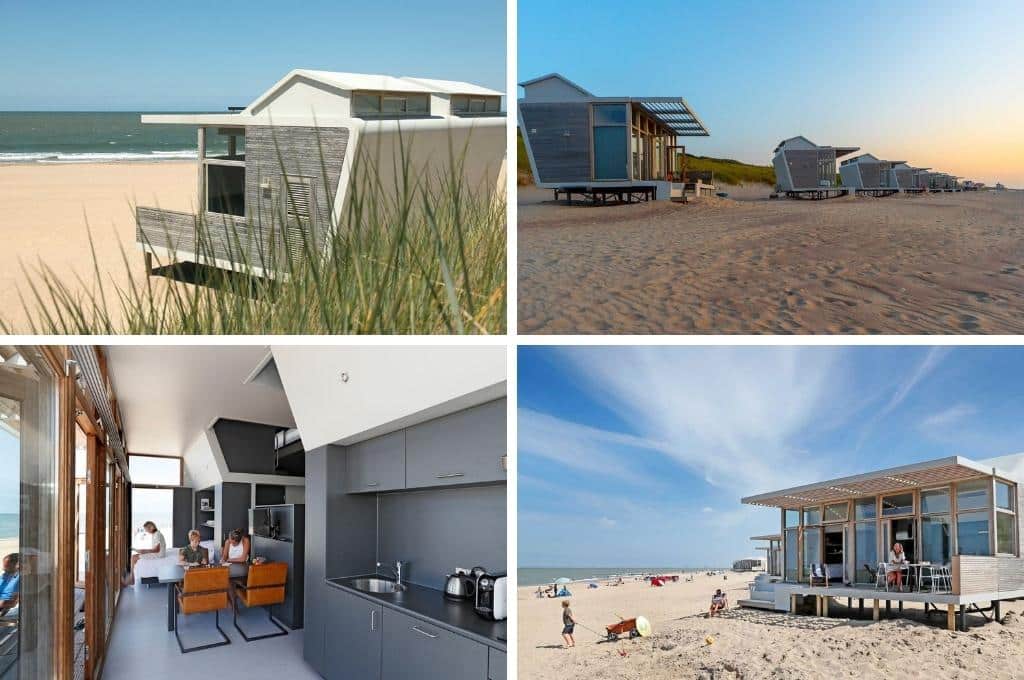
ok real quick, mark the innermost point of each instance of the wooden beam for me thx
(64, 583)
(824, 606)
(875, 612)
(951, 616)
(95, 593)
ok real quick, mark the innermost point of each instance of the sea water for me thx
(9, 525)
(80, 137)
(535, 576)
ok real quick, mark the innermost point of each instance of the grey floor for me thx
(142, 647)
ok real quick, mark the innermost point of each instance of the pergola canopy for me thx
(674, 113)
(918, 475)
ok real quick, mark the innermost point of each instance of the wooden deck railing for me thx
(983, 574)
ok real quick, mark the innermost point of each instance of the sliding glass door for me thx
(28, 465)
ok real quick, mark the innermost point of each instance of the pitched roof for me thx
(557, 76)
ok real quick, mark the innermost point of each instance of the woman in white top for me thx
(897, 562)
(159, 545)
(236, 548)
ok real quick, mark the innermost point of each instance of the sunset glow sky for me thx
(941, 87)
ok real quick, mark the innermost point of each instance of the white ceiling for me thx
(168, 395)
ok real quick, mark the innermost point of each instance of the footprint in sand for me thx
(968, 322)
(1008, 270)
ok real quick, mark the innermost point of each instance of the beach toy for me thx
(709, 640)
(643, 626)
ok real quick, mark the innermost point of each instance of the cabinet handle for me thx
(373, 619)
(450, 475)
(373, 484)
(423, 632)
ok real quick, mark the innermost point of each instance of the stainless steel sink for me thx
(376, 585)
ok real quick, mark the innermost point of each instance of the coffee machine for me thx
(492, 596)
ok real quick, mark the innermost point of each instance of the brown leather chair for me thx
(264, 587)
(205, 589)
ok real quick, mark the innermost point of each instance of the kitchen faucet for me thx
(397, 570)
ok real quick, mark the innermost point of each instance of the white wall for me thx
(552, 90)
(388, 387)
(303, 97)
(201, 468)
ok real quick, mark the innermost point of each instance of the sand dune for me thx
(753, 644)
(942, 263)
(44, 210)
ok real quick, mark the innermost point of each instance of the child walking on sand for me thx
(568, 625)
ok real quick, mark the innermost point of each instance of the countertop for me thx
(431, 605)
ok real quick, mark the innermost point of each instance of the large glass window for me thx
(151, 505)
(792, 557)
(1004, 496)
(865, 508)
(792, 518)
(1006, 518)
(972, 533)
(225, 189)
(611, 142)
(812, 549)
(936, 539)
(812, 516)
(837, 512)
(390, 104)
(935, 501)
(154, 470)
(463, 105)
(866, 550)
(899, 504)
(973, 495)
(609, 114)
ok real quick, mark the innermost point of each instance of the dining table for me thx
(175, 574)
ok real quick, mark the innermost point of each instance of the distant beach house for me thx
(287, 174)
(959, 522)
(805, 170)
(579, 141)
(906, 178)
(870, 175)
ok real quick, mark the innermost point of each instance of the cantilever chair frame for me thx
(239, 588)
(179, 593)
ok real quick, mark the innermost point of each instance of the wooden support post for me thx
(874, 614)
(849, 603)
(792, 603)
(817, 605)
(963, 617)
(824, 606)
(995, 610)
(951, 616)
(149, 262)
(861, 606)
(901, 606)
(888, 608)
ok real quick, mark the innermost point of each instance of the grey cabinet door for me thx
(414, 650)
(376, 464)
(496, 664)
(462, 448)
(352, 637)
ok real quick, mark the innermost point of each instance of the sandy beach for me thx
(745, 643)
(44, 209)
(940, 263)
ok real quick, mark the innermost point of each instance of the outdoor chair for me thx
(937, 577)
(264, 587)
(819, 573)
(882, 576)
(205, 589)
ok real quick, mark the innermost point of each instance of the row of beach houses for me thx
(578, 142)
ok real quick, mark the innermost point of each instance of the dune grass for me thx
(425, 254)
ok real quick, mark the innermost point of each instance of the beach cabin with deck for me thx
(958, 521)
(904, 177)
(869, 175)
(805, 170)
(623, 148)
(280, 172)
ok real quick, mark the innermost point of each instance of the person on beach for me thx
(897, 562)
(156, 552)
(719, 602)
(568, 625)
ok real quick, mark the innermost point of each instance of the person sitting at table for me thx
(193, 553)
(897, 563)
(159, 544)
(236, 548)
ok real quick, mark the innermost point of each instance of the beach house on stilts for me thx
(958, 521)
(868, 175)
(606, 148)
(805, 170)
(905, 178)
(274, 180)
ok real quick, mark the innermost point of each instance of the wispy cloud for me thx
(948, 416)
(930, 362)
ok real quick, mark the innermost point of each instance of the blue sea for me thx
(535, 576)
(9, 524)
(80, 137)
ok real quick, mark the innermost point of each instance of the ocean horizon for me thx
(94, 136)
(536, 576)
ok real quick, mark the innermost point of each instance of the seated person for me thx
(236, 548)
(156, 552)
(897, 563)
(193, 553)
(10, 580)
(719, 602)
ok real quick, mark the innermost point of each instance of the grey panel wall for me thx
(803, 168)
(904, 178)
(440, 529)
(182, 516)
(560, 138)
(247, 447)
(871, 175)
(351, 523)
(315, 558)
(273, 152)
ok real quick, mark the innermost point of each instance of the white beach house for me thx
(805, 170)
(291, 155)
(868, 174)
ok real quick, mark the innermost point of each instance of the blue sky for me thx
(934, 84)
(10, 461)
(638, 456)
(198, 55)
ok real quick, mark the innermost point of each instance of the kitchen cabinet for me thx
(414, 650)
(377, 464)
(496, 664)
(462, 448)
(353, 634)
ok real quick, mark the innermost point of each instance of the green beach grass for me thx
(425, 256)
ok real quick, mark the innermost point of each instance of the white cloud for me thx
(930, 362)
(948, 416)
(607, 523)
(707, 508)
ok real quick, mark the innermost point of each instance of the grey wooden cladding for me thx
(904, 178)
(560, 140)
(983, 574)
(803, 166)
